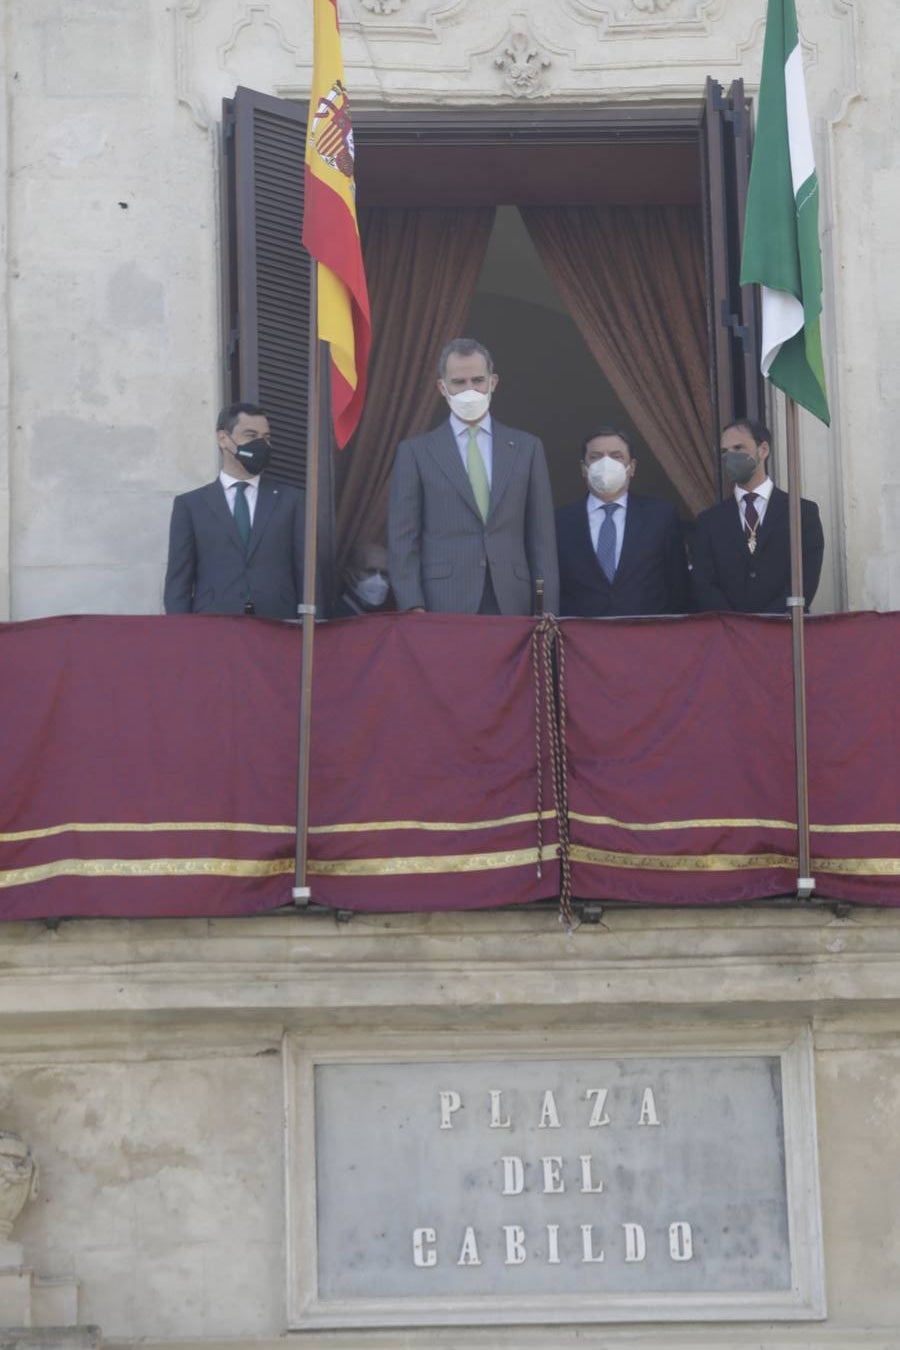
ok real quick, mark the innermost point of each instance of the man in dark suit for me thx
(740, 550)
(471, 513)
(236, 545)
(619, 553)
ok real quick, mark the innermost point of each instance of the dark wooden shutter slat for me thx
(270, 274)
(754, 392)
(733, 309)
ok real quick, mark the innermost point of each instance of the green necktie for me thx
(477, 475)
(242, 512)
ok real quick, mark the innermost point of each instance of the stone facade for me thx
(110, 349)
(146, 1065)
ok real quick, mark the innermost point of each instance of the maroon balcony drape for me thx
(149, 763)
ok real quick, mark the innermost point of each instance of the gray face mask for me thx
(739, 466)
(372, 590)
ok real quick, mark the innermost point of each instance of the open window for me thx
(692, 161)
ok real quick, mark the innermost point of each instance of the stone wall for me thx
(144, 1066)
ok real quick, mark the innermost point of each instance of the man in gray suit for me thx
(236, 545)
(471, 526)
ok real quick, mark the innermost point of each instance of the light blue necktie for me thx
(606, 541)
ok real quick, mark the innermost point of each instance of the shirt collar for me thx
(460, 427)
(765, 490)
(595, 504)
(228, 480)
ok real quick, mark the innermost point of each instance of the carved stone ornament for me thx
(381, 6)
(522, 61)
(651, 6)
(18, 1180)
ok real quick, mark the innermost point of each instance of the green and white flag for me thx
(781, 229)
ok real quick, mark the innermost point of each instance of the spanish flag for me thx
(330, 231)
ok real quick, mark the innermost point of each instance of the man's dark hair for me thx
(463, 347)
(608, 431)
(758, 430)
(231, 412)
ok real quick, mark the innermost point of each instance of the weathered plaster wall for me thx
(4, 331)
(142, 1063)
(112, 303)
(112, 220)
(866, 199)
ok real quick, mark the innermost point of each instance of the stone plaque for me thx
(571, 1188)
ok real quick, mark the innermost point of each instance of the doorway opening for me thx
(501, 161)
(550, 383)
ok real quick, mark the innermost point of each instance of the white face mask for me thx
(372, 590)
(607, 475)
(471, 405)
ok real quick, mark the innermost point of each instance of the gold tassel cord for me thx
(550, 710)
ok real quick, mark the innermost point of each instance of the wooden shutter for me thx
(267, 271)
(268, 338)
(733, 310)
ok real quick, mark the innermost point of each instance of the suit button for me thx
(752, 576)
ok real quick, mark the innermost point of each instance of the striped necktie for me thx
(751, 520)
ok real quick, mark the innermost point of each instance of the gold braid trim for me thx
(732, 862)
(242, 827)
(429, 826)
(431, 865)
(734, 823)
(249, 867)
(146, 867)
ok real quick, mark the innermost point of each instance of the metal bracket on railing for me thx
(796, 602)
(301, 895)
(805, 887)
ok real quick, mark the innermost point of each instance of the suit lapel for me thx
(503, 457)
(214, 496)
(631, 540)
(444, 451)
(583, 541)
(733, 529)
(776, 513)
(266, 501)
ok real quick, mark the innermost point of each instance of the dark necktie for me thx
(606, 541)
(242, 512)
(751, 520)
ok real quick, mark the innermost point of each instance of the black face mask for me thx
(254, 456)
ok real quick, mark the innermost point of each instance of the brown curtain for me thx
(633, 279)
(421, 267)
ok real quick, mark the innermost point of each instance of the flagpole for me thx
(796, 604)
(300, 893)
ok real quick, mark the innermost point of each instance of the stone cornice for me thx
(424, 970)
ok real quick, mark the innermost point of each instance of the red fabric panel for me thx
(191, 721)
(427, 718)
(145, 721)
(681, 754)
(149, 764)
(852, 680)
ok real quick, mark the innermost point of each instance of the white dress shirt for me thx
(229, 484)
(763, 493)
(596, 517)
(485, 442)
